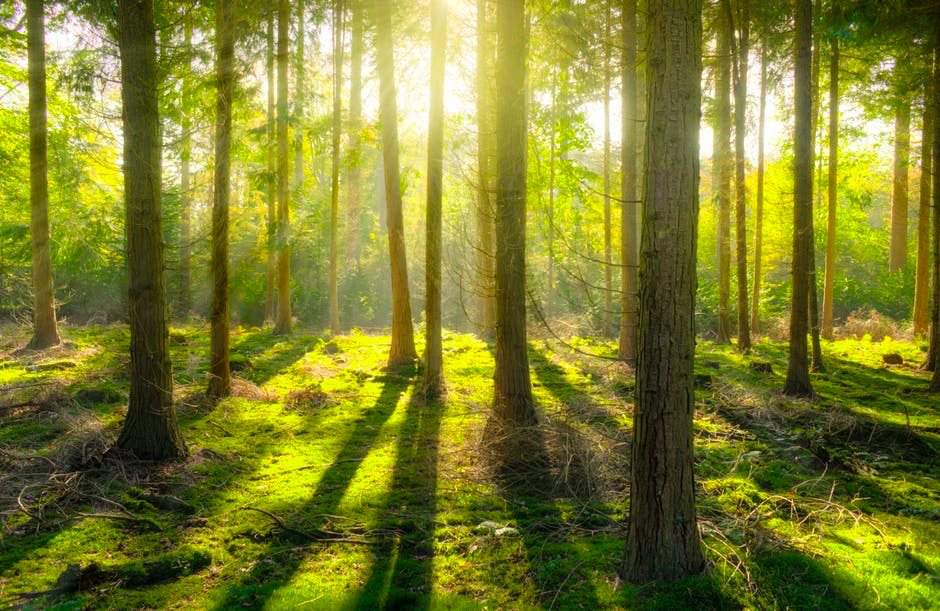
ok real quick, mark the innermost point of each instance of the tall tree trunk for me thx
(922, 284)
(45, 333)
(899, 202)
(270, 182)
(433, 356)
(402, 350)
(150, 429)
(608, 233)
(797, 382)
(355, 126)
(759, 206)
(740, 51)
(628, 175)
(220, 378)
(817, 362)
(283, 325)
(833, 185)
(512, 393)
(550, 293)
(935, 289)
(725, 163)
(662, 534)
(485, 229)
(185, 296)
(338, 29)
(300, 96)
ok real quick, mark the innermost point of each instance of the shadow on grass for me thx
(265, 578)
(272, 354)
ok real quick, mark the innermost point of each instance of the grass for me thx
(832, 503)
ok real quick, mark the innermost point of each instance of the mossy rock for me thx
(239, 362)
(94, 396)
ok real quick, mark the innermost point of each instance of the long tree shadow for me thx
(402, 568)
(264, 579)
(270, 355)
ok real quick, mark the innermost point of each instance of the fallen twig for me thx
(330, 538)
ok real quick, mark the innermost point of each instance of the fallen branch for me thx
(315, 538)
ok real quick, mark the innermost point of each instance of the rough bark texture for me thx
(185, 296)
(628, 177)
(810, 244)
(921, 315)
(797, 382)
(355, 125)
(902, 151)
(608, 233)
(338, 11)
(433, 355)
(150, 429)
(725, 165)
(662, 537)
(759, 205)
(832, 189)
(271, 194)
(485, 229)
(935, 289)
(402, 350)
(45, 333)
(283, 324)
(512, 393)
(740, 162)
(220, 377)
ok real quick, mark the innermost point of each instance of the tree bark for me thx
(355, 126)
(608, 233)
(725, 163)
(512, 393)
(270, 182)
(283, 325)
(740, 52)
(185, 297)
(45, 333)
(759, 205)
(628, 178)
(433, 355)
(485, 273)
(833, 185)
(935, 289)
(220, 377)
(899, 201)
(663, 540)
(550, 293)
(922, 283)
(402, 351)
(338, 28)
(150, 429)
(810, 244)
(797, 382)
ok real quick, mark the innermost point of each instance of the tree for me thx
(484, 205)
(902, 146)
(608, 233)
(921, 282)
(723, 136)
(512, 393)
(220, 377)
(283, 324)
(185, 297)
(150, 429)
(797, 382)
(935, 305)
(355, 125)
(759, 205)
(338, 11)
(832, 192)
(45, 333)
(402, 349)
(626, 349)
(662, 534)
(433, 356)
(270, 182)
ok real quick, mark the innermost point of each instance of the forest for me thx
(460, 304)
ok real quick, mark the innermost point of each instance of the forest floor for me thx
(327, 482)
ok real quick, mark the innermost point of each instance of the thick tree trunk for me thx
(512, 393)
(608, 233)
(550, 292)
(899, 202)
(283, 324)
(740, 128)
(628, 190)
(45, 333)
(150, 430)
(817, 362)
(662, 536)
(485, 229)
(725, 164)
(220, 378)
(433, 356)
(185, 296)
(935, 288)
(270, 182)
(355, 126)
(833, 185)
(338, 28)
(922, 284)
(402, 350)
(759, 206)
(797, 382)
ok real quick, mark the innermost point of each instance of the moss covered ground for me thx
(327, 482)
